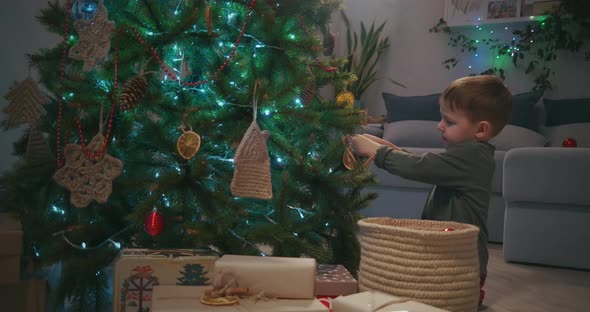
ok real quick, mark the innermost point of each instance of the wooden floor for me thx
(533, 288)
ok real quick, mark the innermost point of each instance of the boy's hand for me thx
(381, 141)
(363, 146)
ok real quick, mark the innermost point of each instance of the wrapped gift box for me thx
(378, 302)
(277, 277)
(137, 271)
(24, 296)
(11, 242)
(334, 280)
(188, 299)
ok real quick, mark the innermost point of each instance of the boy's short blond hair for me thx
(481, 98)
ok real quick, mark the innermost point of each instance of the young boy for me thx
(474, 110)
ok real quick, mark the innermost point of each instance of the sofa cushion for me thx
(411, 107)
(577, 131)
(514, 136)
(413, 133)
(524, 113)
(567, 111)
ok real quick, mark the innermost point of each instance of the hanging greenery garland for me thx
(534, 48)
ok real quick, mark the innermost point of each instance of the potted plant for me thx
(364, 52)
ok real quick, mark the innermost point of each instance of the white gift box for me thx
(372, 301)
(277, 277)
(188, 299)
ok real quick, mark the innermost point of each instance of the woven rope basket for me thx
(418, 259)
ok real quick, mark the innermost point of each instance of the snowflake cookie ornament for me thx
(95, 39)
(88, 178)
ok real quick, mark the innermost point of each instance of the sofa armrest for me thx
(547, 175)
(373, 129)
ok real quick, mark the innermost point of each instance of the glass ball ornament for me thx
(569, 142)
(84, 9)
(153, 223)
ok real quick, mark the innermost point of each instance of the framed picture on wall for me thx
(503, 9)
(464, 12)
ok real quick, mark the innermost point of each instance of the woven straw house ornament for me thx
(252, 164)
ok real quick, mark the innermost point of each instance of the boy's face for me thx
(456, 127)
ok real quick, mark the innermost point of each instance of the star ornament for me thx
(95, 41)
(86, 178)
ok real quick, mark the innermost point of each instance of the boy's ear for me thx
(484, 130)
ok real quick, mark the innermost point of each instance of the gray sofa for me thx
(401, 198)
(540, 204)
(547, 193)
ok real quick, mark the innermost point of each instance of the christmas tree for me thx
(188, 124)
(193, 274)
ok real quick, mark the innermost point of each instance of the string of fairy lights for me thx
(86, 9)
(485, 34)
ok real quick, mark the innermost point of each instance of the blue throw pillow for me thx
(524, 113)
(567, 111)
(411, 107)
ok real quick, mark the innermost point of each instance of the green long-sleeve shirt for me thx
(462, 178)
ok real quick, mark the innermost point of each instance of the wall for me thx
(21, 34)
(415, 55)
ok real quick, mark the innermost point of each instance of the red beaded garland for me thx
(216, 73)
(162, 65)
(92, 155)
(154, 223)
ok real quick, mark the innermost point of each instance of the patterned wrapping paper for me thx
(334, 280)
(138, 271)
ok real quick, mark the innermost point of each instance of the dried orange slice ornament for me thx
(348, 159)
(188, 143)
(345, 98)
(220, 301)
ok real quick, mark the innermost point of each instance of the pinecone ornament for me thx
(329, 43)
(132, 93)
(309, 92)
